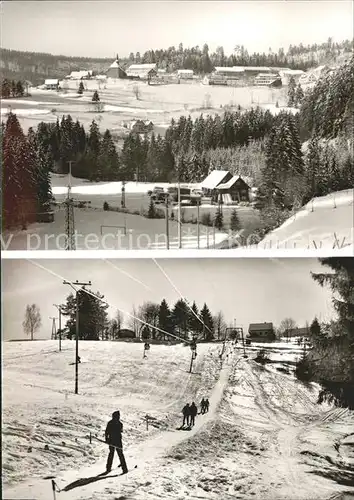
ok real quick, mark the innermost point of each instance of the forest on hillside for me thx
(35, 67)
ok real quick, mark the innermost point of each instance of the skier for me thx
(186, 415)
(202, 406)
(193, 411)
(207, 405)
(113, 436)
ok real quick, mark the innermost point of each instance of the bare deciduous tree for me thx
(286, 326)
(220, 325)
(32, 321)
(136, 92)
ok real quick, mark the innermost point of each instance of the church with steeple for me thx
(115, 70)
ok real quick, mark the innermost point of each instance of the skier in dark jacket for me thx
(186, 415)
(194, 411)
(113, 437)
(202, 406)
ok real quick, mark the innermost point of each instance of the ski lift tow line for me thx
(179, 293)
(72, 284)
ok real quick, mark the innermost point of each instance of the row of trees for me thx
(12, 88)
(201, 60)
(94, 323)
(26, 187)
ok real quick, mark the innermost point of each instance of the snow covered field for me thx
(157, 103)
(264, 436)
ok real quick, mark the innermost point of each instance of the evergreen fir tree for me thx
(235, 224)
(95, 97)
(219, 219)
(292, 92)
(207, 318)
(81, 88)
(151, 210)
(299, 95)
(195, 324)
(165, 320)
(180, 316)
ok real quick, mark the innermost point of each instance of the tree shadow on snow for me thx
(87, 480)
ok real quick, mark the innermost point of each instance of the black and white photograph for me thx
(177, 125)
(212, 378)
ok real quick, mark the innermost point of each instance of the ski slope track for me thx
(325, 222)
(264, 437)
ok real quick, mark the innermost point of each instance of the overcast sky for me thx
(101, 29)
(249, 290)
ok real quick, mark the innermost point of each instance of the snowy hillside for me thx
(262, 437)
(326, 222)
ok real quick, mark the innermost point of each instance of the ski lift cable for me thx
(127, 274)
(180, 294)
(72, 284)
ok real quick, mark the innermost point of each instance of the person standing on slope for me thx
(113, 437)
(202, 406)
(207, 405)
(194, 411)
(186, 415)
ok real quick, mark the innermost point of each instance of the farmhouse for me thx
(286, 74)
(142, 71)
(297, 332)
(125, 333)
(185, 74)
(139, 126)
(236, 75)
(236, 189)
(215, 178)
(80, 75)
(51, 84)
(115, 70)
(261, 332)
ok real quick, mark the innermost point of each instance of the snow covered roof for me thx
(291, 72)
(135, 67)
(231, 182)
(77, 75)
(51, 81)
(230, 69)
(260, 326)
(185, 72)
(214, 178)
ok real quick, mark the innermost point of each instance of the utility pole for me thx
(82, 284)
(179, 214)
(54, 328)
(69, 215)
(167, 224)
(194, 354)
(59, 309)
(243, 343)
(123, 195)
(198, 227)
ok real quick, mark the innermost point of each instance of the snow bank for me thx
(25, 112)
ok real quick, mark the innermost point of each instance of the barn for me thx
(261, 332)
(236, 189)
(213, 180)
(115, 70)
(142, 71)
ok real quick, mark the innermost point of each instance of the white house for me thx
(185, 74)
(80, 75)
(51, 84)
(141, 71)
(286, 74)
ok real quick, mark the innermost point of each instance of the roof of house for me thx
(51, 81)
(140, 69)
(115, 65)
(231, 182)
(292, 71)
(80, 74)
(300, 331)
(260, 326)
(214, 178)
(230, 69)
(187, 71)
